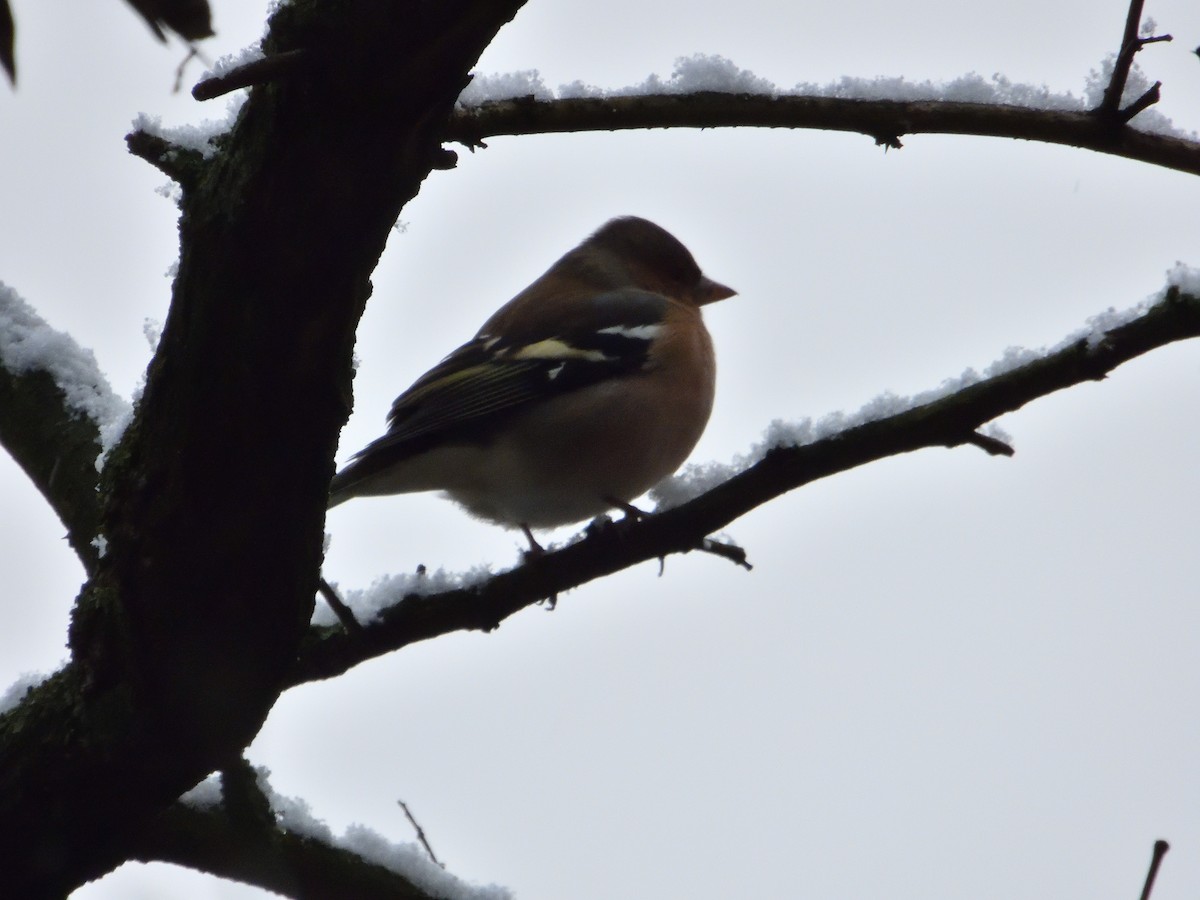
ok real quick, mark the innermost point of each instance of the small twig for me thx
(8, 61)
(731, 552)
(1131, 43)
(420, 833)
(1147, 99)
(991, 445)
(340, 609)
(1129, 47)
(269, 68)
(1160, 850)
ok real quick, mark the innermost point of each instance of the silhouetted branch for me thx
(882, 120)
(272, 857)
(57, 447)
(1131, 43)
(420, 833)
(8, 60)
(1160, 850)
(951, 421)
(177, 163)
(260, 71)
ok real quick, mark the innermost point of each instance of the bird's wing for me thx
(484, 381)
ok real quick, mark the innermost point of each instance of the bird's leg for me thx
(535, 549)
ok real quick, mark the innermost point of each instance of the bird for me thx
(576, 397)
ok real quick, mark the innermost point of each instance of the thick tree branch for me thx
(57, 447)
(213, 502)
(948, 422)
(272, 858)
(53, 402)
(883, 120)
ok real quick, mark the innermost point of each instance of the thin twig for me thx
(340, 609)
(269, 68)
(731, 552)
(994, 446)
(420, 833)
(1160, 850)
(1131, 43)
(1129, 48)
(1148, 99)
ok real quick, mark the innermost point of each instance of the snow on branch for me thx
(367, 603)
(58, 416)
(711, 91)
(710, 497)
(28, 344)
(289, 850)
(698, 478)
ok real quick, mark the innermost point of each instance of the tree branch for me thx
(1160, 850)
(190, 19)
(1130, 45)
(259, 71)
(57, 448)
(948, 422)
(273, 858)
(213, 501)
(50, 429)
(185, 167)
(882, 120)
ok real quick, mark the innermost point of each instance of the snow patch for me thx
(407, 860)
(28, 344)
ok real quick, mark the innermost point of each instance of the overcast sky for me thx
(949, 675)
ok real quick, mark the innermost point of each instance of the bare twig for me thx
(260, 71)
(1145, 101)
(340, 609)
(731, 552)
(1129, 48)
(1160, 850)
(1131, 43)
(420, 833)
(994, 446)
(8, 60)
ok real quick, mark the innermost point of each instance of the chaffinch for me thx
(578, 395)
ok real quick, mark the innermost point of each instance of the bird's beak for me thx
(709, 291)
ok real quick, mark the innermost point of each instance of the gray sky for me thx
(949, 675)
